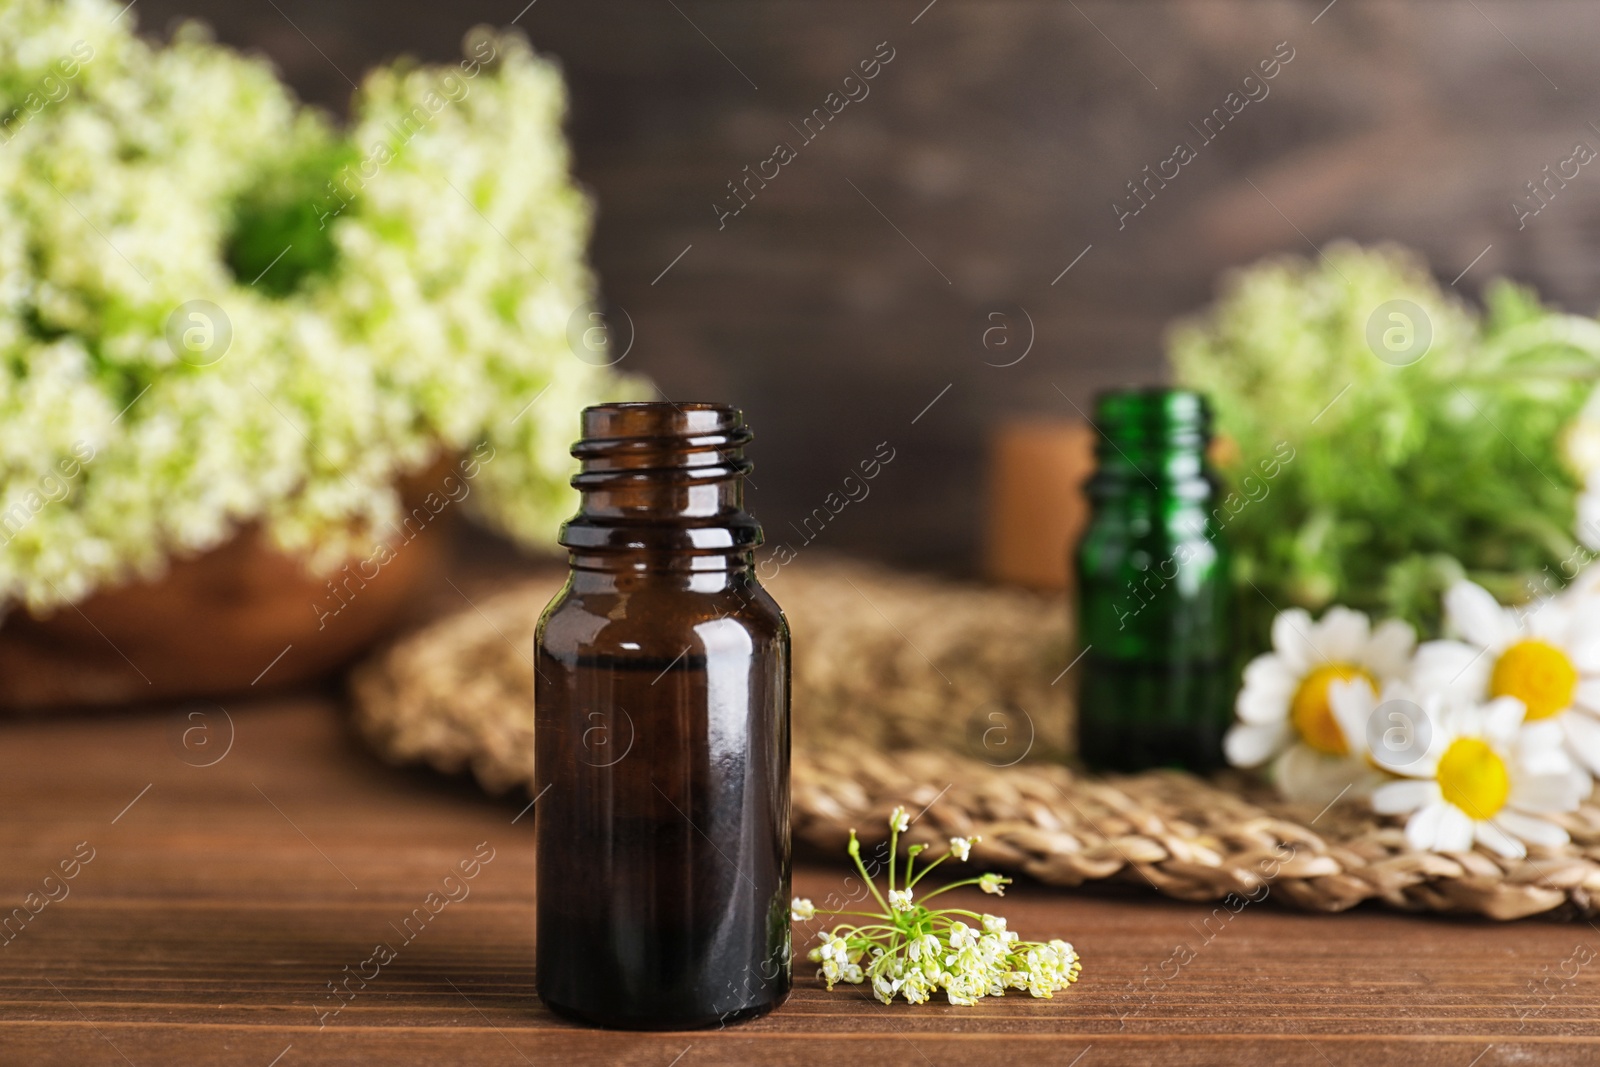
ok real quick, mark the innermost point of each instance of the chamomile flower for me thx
(1487, 778)
(1288, 710)
(1547, 657)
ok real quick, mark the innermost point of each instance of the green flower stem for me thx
(854, 849)
(911, 855)
(926, 869)
(894, 847)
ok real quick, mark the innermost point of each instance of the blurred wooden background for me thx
(860, 285)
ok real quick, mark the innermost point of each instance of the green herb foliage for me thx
(1403, 476)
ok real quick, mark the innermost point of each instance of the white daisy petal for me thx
(1542, 735)
(1583, 738)
(1451, 666)
(1342, 634)
(1422, 829)
(1269, 675)
(1388, 653)
(1583, 635)
(1585, 582)
(1584, 651)
(1352, 703)
(1478, 617)
(1291, 638)
(1441, 731)
(1547, 792)
(1502, 717)
(1548, 620)
(1248, 745)
(1532, 830)
(1541, 749)
(1397, 798)
(1587, 695)
(1411, 740)
(1589, 519)
(1545, 762)
(1259, 709)
(1455, 830)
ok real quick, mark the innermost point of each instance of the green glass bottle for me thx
(1156, 679)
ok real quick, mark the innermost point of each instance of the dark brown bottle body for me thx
(662, 737)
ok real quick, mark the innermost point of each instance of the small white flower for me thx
(994, 884)
(959, 990)
(961, 847)
(1050, 967)
(1486, 778)
(834, 955)
(994, 924)
(899, 821)
(900, 899)
(801, 909)
(916, 987)
(1287, 709)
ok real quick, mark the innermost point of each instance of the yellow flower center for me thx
(1311, 713)
(1473, 778)
(1537, 673)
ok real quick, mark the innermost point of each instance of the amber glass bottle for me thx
(662, 735)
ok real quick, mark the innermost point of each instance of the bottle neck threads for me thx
(1152, 435)
(662, 479)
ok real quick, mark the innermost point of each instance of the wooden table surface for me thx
(220, 902)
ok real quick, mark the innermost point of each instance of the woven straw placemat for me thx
(913, 691)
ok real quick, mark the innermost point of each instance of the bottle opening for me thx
(662, 441)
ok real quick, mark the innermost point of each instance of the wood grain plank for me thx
(219, 906)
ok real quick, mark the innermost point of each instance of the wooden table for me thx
(221, 901)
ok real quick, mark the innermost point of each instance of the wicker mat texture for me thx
(941, 697)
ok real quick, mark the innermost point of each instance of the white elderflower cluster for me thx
(218, 310)
(911, 951)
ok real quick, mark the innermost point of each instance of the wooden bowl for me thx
(241, 618)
